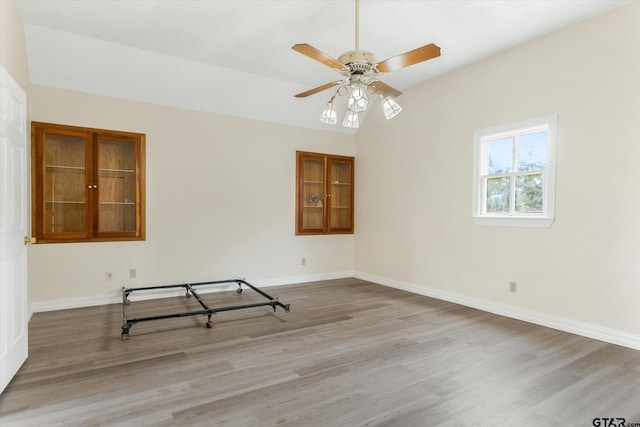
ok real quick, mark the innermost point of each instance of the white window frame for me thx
(481, 140)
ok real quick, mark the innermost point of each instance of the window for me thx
(514, 174)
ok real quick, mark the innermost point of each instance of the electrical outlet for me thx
(132, 273)
(109, 275)
(513, 287)
(303, 261)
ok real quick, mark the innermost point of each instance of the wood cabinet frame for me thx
(93, 199)
(325, 196)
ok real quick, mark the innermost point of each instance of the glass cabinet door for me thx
(117, 196)
(65, 184)
(340, 194)
(313, 194)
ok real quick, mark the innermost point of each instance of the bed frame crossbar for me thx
(190, 291)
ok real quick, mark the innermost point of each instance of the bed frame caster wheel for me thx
(127, 302)
(209, 324)
(239, 290)
(126, 338)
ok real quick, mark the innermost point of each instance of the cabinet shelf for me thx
(117, 170)
(65, 202)
(118, 203)
(65, 167)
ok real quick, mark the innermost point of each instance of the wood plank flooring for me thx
(350, 353)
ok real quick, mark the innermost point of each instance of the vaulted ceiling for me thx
(234, 57)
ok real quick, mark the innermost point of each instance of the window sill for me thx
(503, 221)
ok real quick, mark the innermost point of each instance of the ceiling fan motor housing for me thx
(358, 61)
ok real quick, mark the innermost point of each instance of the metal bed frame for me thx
(206, 310)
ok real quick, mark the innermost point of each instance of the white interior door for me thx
(13, 228)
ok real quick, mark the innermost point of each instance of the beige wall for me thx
(220, 202)
(414, 179)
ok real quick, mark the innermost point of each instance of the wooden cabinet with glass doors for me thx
(324, 196)
(88, 184)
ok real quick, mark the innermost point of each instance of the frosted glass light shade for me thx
(329, 115)
(358, 99)
(390, 107)
(351, 120)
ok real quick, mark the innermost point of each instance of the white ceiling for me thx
(234, 57)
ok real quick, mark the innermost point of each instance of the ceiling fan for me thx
(361, 73)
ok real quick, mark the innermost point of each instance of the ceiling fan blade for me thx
(384, 89)
(319, 89)
(319, 56)
(409, 58)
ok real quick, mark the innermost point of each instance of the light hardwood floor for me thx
(350, 353)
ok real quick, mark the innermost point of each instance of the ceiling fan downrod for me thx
(357, 24)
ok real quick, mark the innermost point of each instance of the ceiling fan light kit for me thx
(360, 76)
(351, 120)
(358, 100)
(329, 115)
(390, 107)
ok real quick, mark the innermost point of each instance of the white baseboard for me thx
(290, 280)
(588, 330)
(76, 302)
(88, 301)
